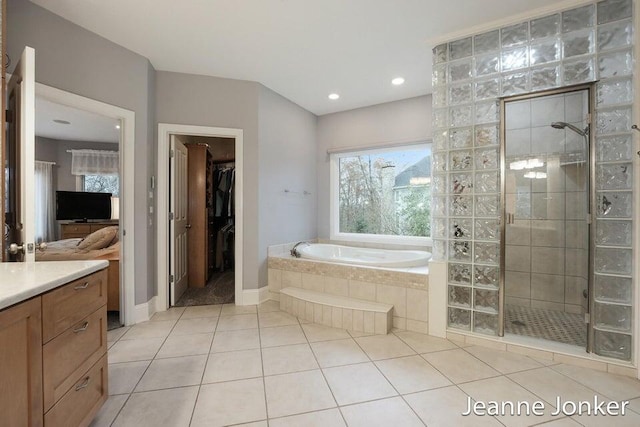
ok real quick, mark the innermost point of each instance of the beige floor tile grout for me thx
(145, 371)
(322, 369)
(586, 386)
(388, 380)
(409, 345)
(322, 373)
(525, 387)
(264, 382)
(195, 403)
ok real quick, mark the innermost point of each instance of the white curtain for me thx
(95, 162)
(45, 202)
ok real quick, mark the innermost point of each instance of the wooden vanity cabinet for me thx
(75, 351)
(53, 356)
(21, 364)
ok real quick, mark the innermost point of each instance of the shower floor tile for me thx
(567, 328)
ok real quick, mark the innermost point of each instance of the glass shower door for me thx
(546, 222)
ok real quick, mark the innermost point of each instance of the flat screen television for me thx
(82, 206)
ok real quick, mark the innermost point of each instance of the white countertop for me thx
(20, 281)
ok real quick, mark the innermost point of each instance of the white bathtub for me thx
(364, 256)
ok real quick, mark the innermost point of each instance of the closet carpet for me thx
(220, 289)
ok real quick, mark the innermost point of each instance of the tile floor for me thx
(258, 366)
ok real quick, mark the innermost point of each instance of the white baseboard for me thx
(255, 296)
(143, 312)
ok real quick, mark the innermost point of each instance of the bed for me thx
(101, 244)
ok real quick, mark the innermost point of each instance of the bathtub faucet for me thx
(294, 250)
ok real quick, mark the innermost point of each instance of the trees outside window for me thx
(102, 184)
(385, 192)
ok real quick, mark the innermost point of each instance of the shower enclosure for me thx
(547, 204)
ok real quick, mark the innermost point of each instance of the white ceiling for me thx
(302, 49)
(84, 126)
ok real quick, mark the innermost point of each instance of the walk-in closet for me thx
(210, 219)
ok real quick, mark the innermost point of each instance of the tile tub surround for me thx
(329, 377)
(405, 289)
(337, 311)
(285, 248)
(593, 42)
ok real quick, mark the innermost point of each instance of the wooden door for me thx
(21, 365)
(198, 270)
(3, 142)
(19, 218)
(179, 226)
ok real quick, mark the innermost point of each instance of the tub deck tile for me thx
(336, 311)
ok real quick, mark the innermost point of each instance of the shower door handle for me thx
(510, 218)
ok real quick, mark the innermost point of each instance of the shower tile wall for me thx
(592, 42)
(547, 245)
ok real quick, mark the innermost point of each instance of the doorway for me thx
(202, 228)
(215, 216)
(77, 191)
(546, 226)
(122, 262)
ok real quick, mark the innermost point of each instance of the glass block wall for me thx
(584, 44)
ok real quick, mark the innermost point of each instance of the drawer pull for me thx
(82, 328)
(84, 384)
(84, 286)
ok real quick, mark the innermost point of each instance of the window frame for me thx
(334, 197)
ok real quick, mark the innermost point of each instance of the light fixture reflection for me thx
(535, 175)
(526, 164)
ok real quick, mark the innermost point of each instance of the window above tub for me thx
(382, 195)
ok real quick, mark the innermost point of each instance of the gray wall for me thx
(71, 58)
(407, 120)
(211, 101)
(54, 150)
(284, 145)
(287, 152)
(47, 150)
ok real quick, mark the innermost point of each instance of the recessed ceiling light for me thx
(397, 81)
(62, 122)
(334, 96)
(117, 126)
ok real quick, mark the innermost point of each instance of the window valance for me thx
(95, 162)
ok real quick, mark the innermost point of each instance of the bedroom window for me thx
(96, 170)
(382, 195)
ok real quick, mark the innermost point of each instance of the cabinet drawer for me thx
(96, 227)
(83, 400)
(66, 357)
(77, 228)
(68, 304)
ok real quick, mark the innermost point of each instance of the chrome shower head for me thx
(562, 125)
